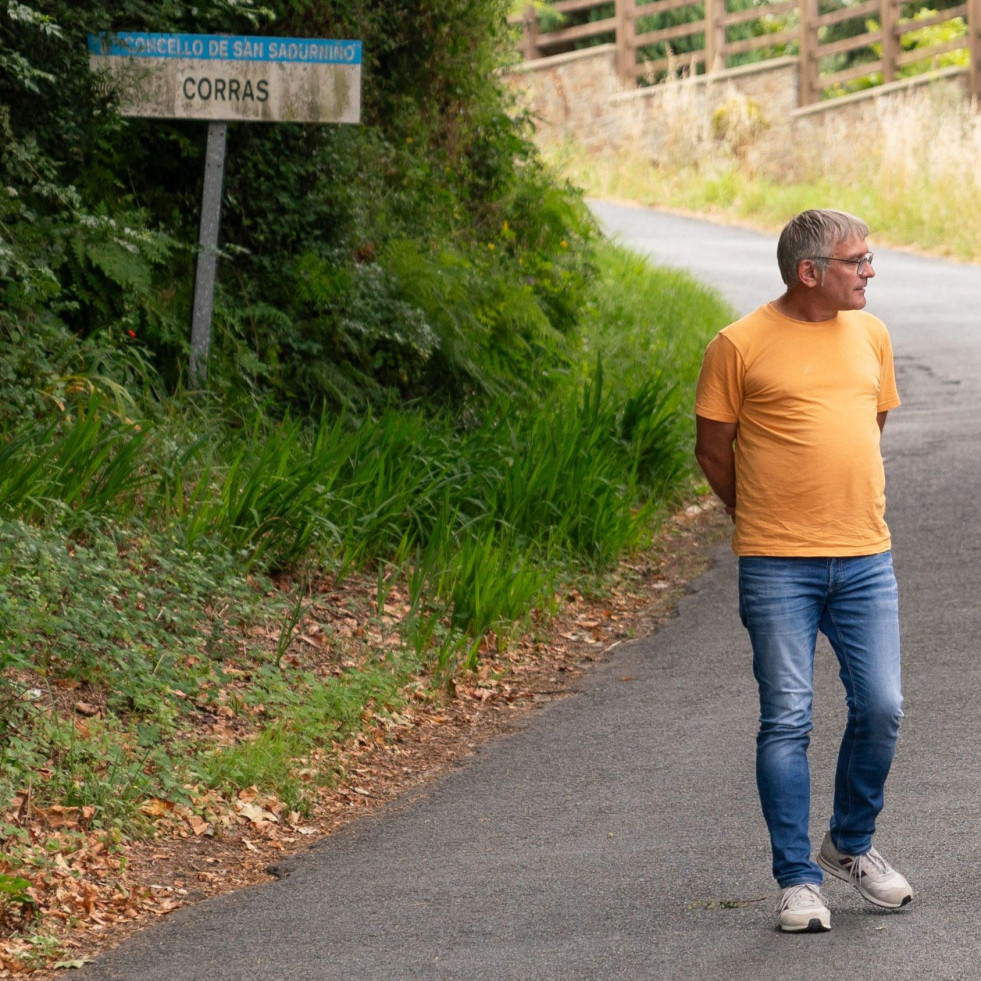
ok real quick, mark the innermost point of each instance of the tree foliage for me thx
(422, 254)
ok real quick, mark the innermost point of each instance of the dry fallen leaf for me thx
(256, 814)
(198, 824)
(157, 807)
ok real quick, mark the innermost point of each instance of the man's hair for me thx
(814, 233)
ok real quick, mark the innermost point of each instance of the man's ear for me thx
(808, 273)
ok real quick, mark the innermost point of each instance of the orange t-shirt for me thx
(809, 474)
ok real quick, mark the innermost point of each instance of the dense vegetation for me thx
(421, 255)
(427, 373)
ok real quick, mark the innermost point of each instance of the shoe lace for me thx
(871, 864)
(806, 894)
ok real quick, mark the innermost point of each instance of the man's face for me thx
(843, 284)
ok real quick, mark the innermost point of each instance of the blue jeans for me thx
(783, 602)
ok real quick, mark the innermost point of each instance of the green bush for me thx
(98, 216)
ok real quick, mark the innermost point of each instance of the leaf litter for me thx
(97, 890)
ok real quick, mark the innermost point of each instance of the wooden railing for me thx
(665, 38)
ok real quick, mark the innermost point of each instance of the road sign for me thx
(223, 78)
(220, 77)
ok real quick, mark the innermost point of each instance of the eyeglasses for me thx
(857, 263)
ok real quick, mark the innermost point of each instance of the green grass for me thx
(911, 175)
(636, 317)
(163, 571)
(197, 606)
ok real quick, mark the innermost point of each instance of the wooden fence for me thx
(842, 45)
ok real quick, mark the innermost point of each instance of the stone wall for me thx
(571, 96)
(754, 109)
(578, 97)
(748, 108)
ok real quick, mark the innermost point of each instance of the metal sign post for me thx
(224, 78)
(204, 281)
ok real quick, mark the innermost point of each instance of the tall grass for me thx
(135, 557)
(911, 172)
(573, 480)
(86, 459)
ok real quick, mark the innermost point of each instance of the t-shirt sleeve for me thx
(719, 391)
(888, 393)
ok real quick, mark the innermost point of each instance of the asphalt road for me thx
(617, 834)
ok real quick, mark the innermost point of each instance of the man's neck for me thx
(802, 306)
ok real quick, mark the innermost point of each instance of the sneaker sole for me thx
(815, 924)
(874, 900)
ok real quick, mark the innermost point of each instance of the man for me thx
(790, 405)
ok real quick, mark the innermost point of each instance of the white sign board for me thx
(227, 78)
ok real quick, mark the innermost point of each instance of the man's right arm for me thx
(717, 458)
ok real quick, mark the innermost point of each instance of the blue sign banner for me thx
(226, 47)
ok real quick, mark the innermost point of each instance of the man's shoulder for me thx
(746, 327)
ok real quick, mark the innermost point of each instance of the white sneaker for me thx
(870, 874)
(802, 910)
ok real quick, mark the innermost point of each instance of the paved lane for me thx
(617, 834)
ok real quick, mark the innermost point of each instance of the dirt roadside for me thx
(187, 863)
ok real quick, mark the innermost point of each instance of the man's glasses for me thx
(857, 263)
